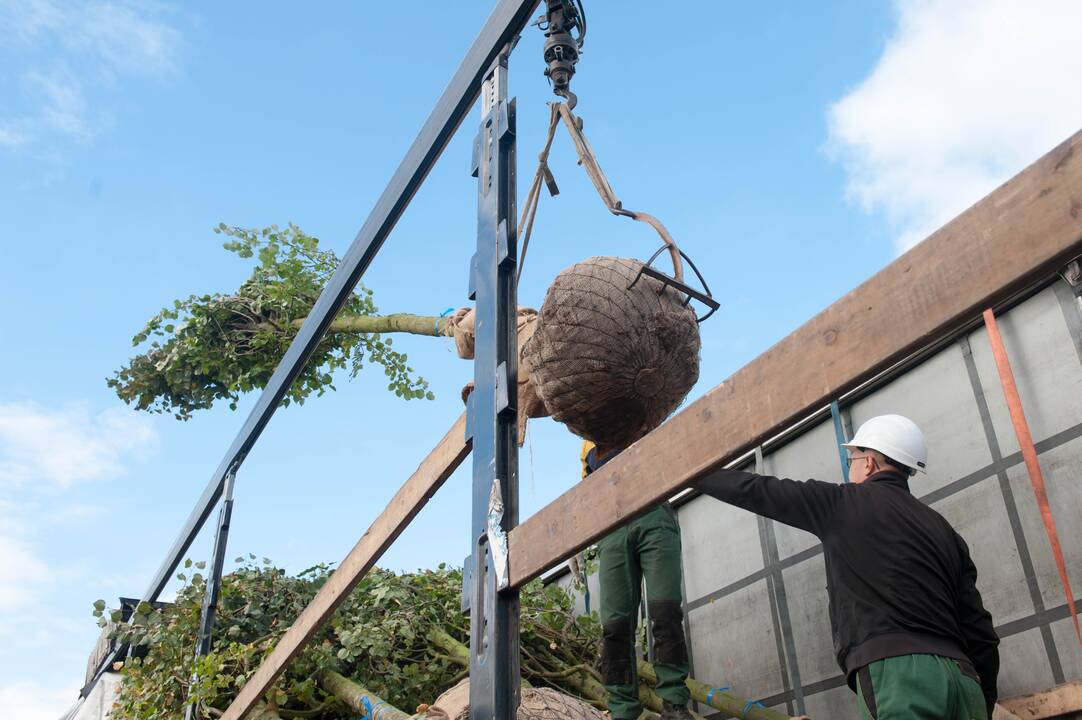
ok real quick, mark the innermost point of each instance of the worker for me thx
(646, 549)
(910, 630)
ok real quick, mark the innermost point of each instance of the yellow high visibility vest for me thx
(587, 446)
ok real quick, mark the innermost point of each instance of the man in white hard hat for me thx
(910, 630)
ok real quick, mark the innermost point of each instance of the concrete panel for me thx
(938, 396)
(1023, 664)
(805, 585)
(1070, 654)
(721, 545)
(979, 515)
(732, 640)
(811, 455)
(835, 704)
(1062, 470)
(1046, 369)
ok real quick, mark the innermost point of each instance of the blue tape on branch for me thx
(443, 314)
(751, 704)
(373, 712)
(710, 695)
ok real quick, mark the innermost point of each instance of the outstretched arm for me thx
(807, 505)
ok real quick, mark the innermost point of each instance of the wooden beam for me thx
(1060, 700)
(1019, 233)
(404, 506)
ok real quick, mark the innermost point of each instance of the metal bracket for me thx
(1072, 275)
(704, 296)
(504, 258)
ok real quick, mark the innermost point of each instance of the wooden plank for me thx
(1060, 700)
(1020, 232)
(404, 506)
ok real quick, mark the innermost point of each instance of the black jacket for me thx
(899, 578)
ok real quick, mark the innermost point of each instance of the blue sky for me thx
(792, 149)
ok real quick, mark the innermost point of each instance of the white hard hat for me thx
(895, 436)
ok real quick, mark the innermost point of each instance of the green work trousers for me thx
(647, 548)
(918, 687)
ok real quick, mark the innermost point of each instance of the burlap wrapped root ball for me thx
(611, 362)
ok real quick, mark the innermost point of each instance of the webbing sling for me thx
(1029, 454)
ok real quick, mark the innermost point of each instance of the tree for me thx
(207, 348)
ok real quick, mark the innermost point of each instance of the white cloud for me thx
(43, 454)
(65, 53)
(59, 95)
(58, 448)
(28, 700)
(22, 572)
(965, 95)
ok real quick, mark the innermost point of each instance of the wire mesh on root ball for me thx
(612, 359)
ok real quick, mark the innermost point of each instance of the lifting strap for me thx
(1029, 454)
(558, 112)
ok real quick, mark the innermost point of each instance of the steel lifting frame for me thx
(491, 419)
(491, 414)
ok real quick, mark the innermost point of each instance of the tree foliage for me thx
(207, 348)
(381, 638)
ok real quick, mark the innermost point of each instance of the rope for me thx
(529, 211)
(560, 111)
(589, 163)
(1029, 454)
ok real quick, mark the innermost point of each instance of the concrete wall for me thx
(755, 590)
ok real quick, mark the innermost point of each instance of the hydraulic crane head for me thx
(561, 18)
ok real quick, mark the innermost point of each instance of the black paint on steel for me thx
(214, 579)
(494, 633)
(503, 25)
(1013, 518)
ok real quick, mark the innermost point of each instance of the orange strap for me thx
(1029, 454)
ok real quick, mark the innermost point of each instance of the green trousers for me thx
(647, 548)
(918, 687)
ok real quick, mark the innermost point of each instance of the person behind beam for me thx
(910, 630)
(646, 549)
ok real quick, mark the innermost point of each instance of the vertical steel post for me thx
(840, 436)
(214, 580)
(492, 420)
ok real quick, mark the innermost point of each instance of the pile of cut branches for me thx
(399, 637)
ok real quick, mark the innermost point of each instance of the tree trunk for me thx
(430, 325)
(359, 699)
(594, 692)
(726, 702)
